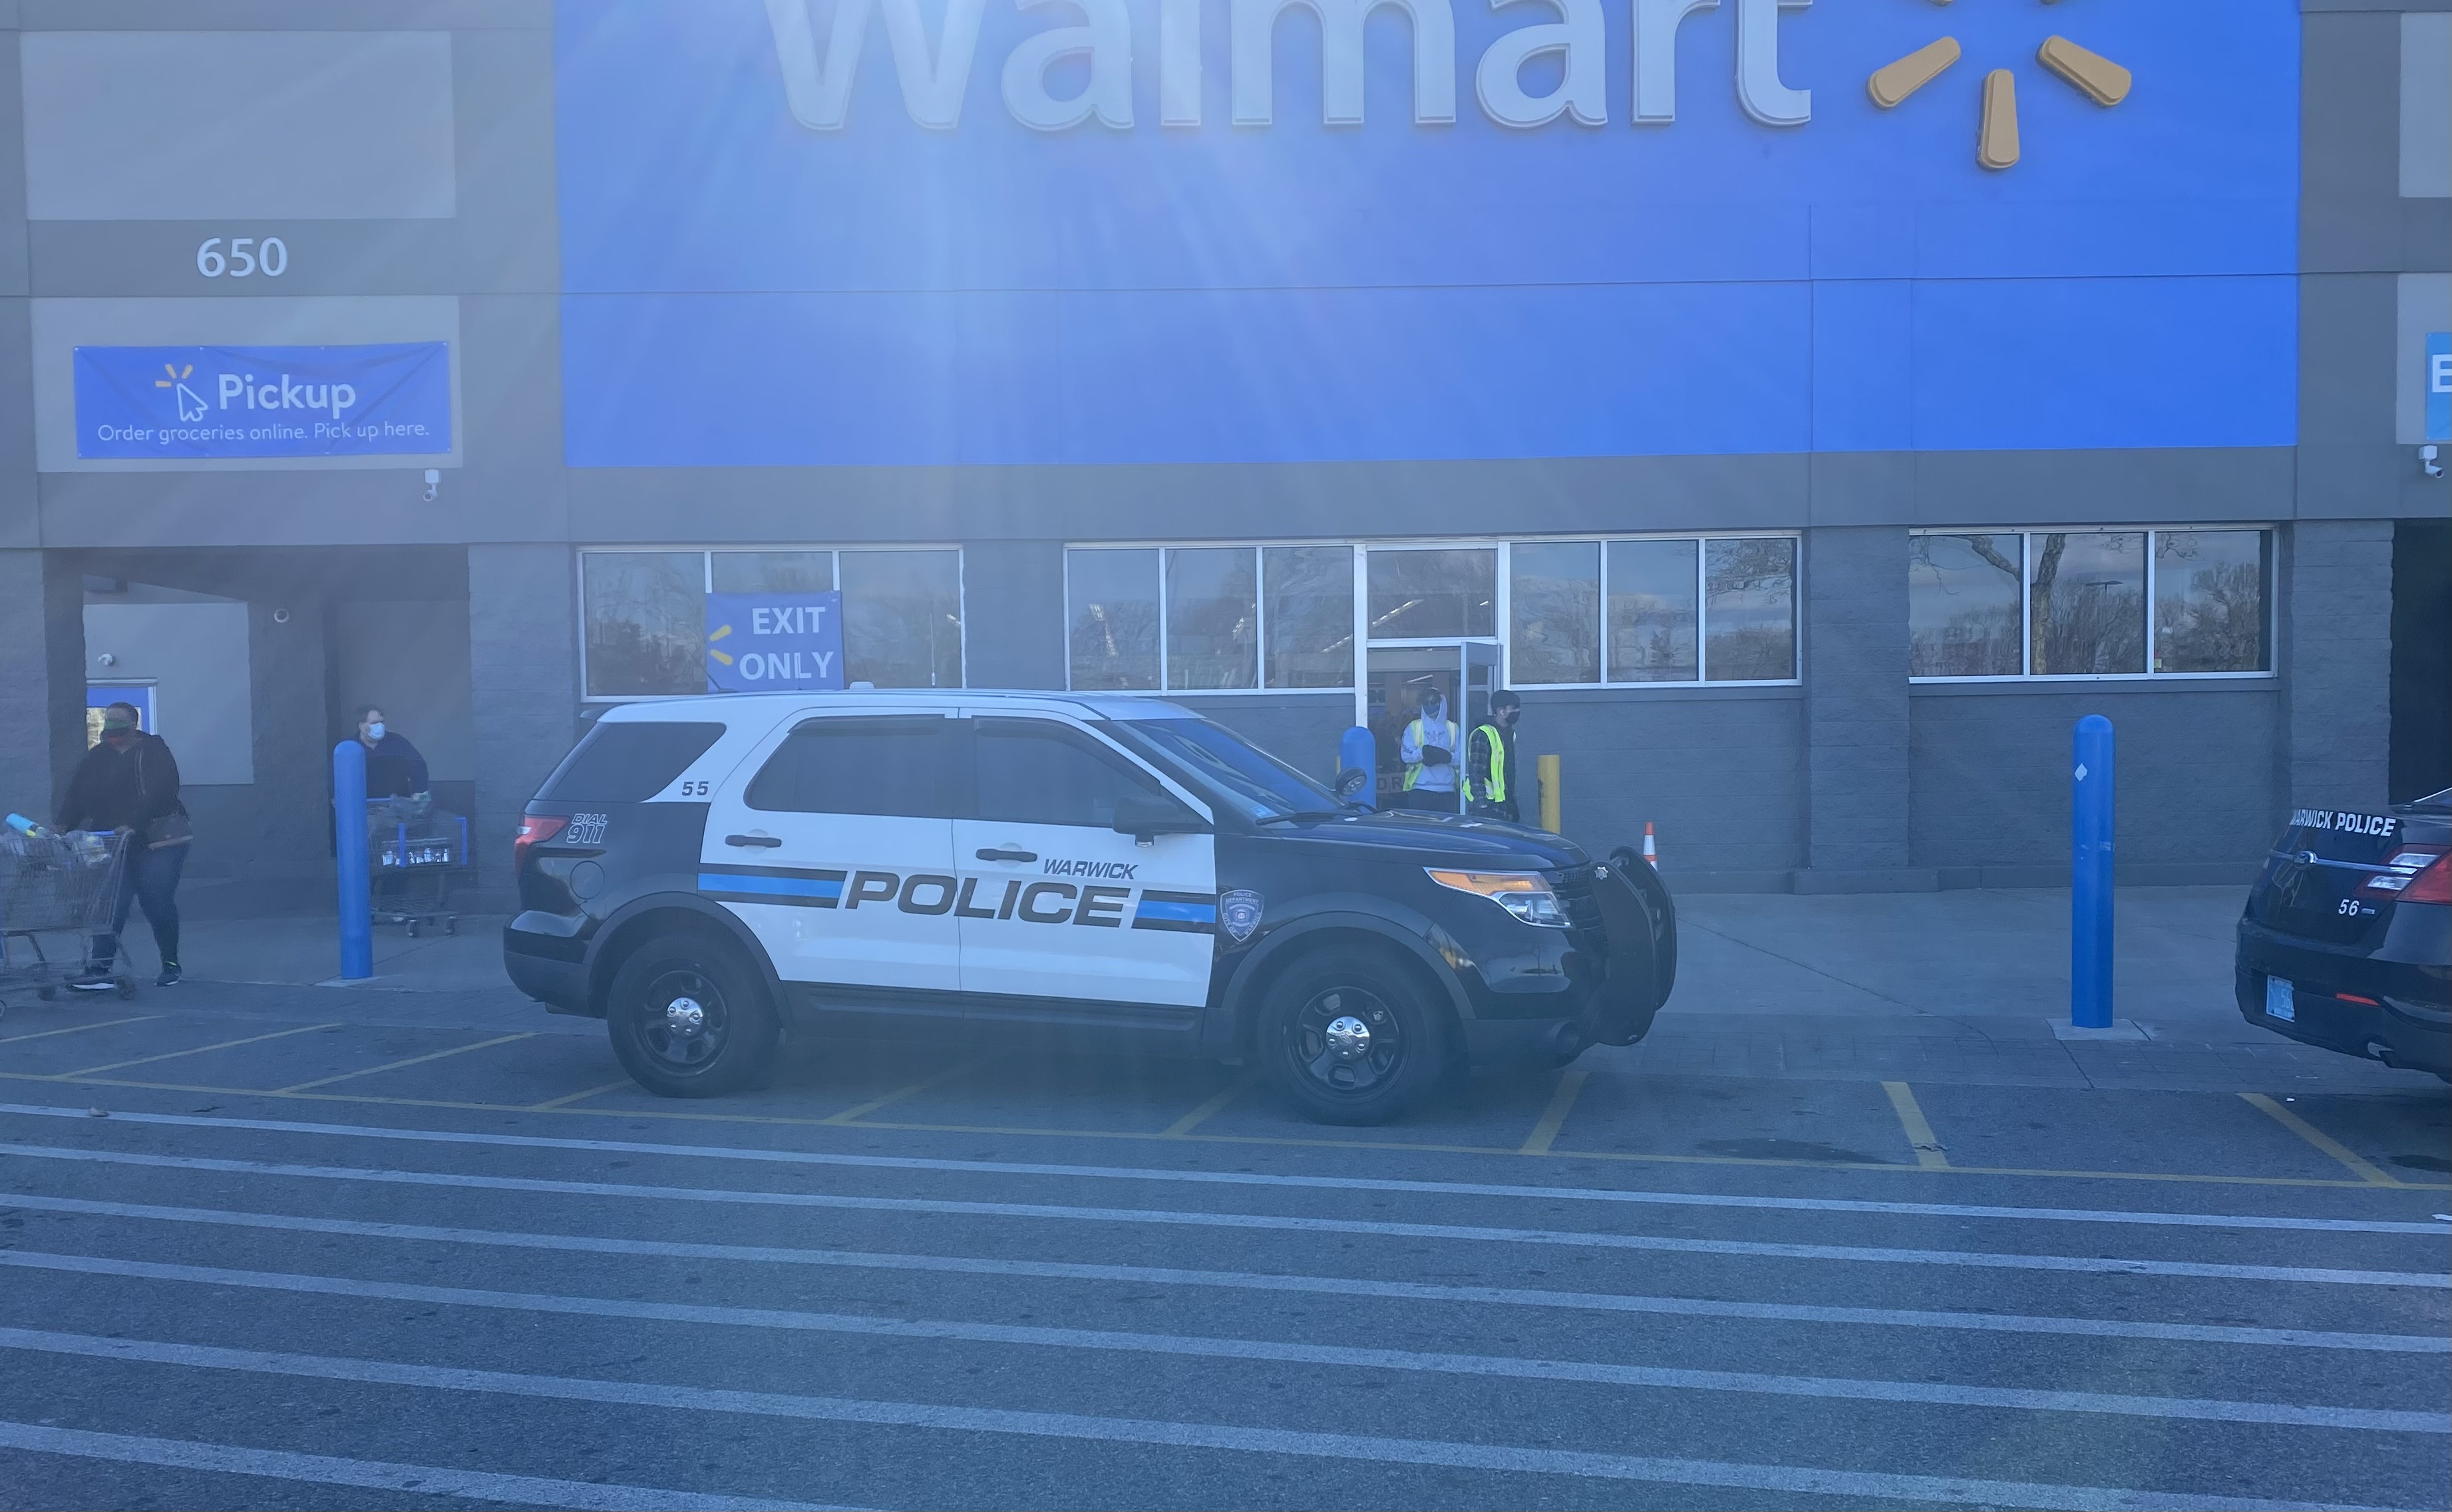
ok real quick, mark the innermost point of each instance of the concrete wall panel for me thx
(196, 657)
(157, 125)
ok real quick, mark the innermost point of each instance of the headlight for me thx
(1526, 894)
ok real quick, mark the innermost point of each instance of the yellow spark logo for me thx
(725, 657)
(1996, 139)
(176, 374)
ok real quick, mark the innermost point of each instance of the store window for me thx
(1749, 609)
(643, 613)
(1433, 594)
(2089, 603)
(1114, 629)
(1653, 588)
(1553, 593)
(1212, 618)
(1308, 615)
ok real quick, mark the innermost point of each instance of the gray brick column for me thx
(42, 678)
(523, 688)
(1856, 630)
(2336, 651)
(289, 847)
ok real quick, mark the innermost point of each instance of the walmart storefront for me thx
(1812, 411)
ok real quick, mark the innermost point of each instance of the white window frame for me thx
(2025, 535)
(1502, 547)
(706, 584)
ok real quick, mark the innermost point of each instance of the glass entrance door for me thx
(1398, 678)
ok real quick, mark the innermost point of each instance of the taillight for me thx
(535, 829)
(2416, 874)
(2434, 885)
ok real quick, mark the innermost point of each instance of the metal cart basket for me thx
(56, 893)
(415, 855)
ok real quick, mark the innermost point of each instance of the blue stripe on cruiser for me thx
(826, 887)
(1179, 912)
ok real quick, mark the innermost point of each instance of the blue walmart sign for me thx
(971, 232)
(222, 402)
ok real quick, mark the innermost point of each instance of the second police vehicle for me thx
(714, 875)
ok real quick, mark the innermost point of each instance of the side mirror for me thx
(1143, 815)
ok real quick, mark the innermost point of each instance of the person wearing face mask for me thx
(1428, 749)
(130, 783)
(394, 768)
(1489, 785)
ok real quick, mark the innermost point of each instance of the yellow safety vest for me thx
(1494, 788)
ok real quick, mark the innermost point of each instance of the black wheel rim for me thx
(683, 1022)
(1337, 1057)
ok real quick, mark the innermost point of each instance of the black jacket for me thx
(394, 768)
(127, 789)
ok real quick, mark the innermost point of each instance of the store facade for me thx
(1812, 420)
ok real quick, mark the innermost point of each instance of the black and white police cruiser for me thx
(710, 876)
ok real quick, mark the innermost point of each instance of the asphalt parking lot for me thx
(331, 1247)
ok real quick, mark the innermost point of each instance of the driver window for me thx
(1036, 772)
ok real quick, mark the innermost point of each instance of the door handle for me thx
(999, 854)
(766, 840)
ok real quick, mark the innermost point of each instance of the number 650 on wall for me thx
(246, 257)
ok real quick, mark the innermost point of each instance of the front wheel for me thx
(1349, 1037)
(689, 1018)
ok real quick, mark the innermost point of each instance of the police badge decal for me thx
(1240, 911)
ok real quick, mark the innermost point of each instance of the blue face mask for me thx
(375, 731)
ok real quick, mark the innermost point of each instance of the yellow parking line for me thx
(2372, 1176)
(1929, 1152)
(413, 1060)
(896, 1095)
(171, 1055)
(1571, 1087)
(79, 1029)
(552, 1103)
(1889, 1167)
(1216, 1104)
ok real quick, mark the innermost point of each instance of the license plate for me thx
(2278, 1001)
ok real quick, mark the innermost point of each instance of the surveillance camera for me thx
(2429, 461)
(108, 660)
(433, 483)
(281, 617)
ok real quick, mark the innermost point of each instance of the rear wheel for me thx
(689, 1018)
(1349, 1036)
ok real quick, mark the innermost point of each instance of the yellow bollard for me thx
(1547, 767)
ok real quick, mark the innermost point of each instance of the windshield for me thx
(1254, 782)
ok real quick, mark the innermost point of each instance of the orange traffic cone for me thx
(1650, 848)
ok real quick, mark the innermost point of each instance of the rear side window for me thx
(901, 767)
(627, 762)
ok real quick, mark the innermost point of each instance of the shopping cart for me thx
(415, 854)
(56, 893)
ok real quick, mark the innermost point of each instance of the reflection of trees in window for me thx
(1417, 595)
(1554, 601)
(2209, 600)
(1211, 618)
(902, 619)
(2089, 605)
(1750, 610)
(1651, 611)
(645, 619)
(1309, 616)
(1113, 633)
(1963, 606)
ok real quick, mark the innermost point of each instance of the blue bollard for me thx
(1358, 753)
(350, 832)
(2091, 818)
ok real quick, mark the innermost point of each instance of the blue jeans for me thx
(150, 877)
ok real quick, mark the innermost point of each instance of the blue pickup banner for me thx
(774, 642)
(2439, 386)
(223, 402)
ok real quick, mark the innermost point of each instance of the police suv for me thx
(710, 876)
